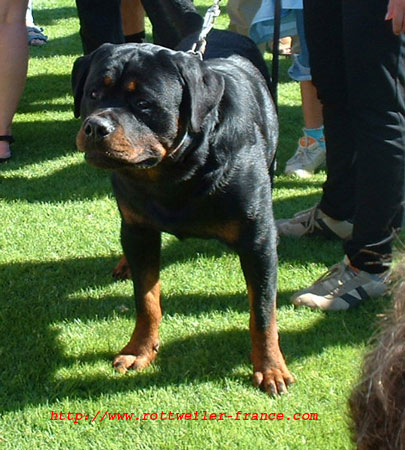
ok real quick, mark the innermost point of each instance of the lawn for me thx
(62, 317)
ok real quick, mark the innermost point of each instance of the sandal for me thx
(36, 33)
(10, 140)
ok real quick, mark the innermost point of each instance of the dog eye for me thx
(94, 94)
(143, 104)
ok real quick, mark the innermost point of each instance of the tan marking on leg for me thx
(228, 232)
(122, 270)
(142, 348)
(270, 371)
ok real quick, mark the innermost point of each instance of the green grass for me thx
(62, 318)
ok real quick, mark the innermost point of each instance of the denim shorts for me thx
(300, 69)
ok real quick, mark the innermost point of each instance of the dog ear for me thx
(203, 87)
(79, 75)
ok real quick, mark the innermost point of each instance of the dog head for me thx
(138, 102)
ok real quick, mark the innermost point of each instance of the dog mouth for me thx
(113, 153)
(109, 143)
(110, 160)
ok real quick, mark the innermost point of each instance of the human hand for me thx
(396, 13)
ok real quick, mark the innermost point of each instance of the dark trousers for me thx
(100, 21)
(358, 67)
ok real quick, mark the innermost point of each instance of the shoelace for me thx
(310, 223)
(340, 271)
(300, 154)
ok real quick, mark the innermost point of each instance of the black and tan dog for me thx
(190, 144)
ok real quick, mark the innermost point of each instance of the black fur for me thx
(191, 145)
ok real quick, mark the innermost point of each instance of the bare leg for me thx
(311, 105)
(310, 153)
(13, 64)
(133, 17)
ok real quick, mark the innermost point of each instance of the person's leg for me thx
(13, 64)
(311, 106)
(374, 75)
(241, 13)
(100, 22)
(184, 20)
(375, 69)
(323, 32)
(323, 28)
(310, 153)
(324, 38)
(133, 20)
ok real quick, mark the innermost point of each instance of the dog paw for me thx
(273, 381)
(122, 270)
(123, 363)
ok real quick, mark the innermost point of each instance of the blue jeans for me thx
(358, 67)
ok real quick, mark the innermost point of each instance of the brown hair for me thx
(378, 403)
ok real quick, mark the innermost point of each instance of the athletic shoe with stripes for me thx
(314, 221)
(342, 287)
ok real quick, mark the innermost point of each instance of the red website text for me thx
(107, 415)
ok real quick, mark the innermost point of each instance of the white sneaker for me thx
(309, 156)
(342, 287)
(314, 221)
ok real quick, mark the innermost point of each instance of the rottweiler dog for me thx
(190, 144)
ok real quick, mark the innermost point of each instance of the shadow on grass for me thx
(72, 183)
(37, 296)
(49, 16)
(68, 45)
(42, 89)
(37, 142)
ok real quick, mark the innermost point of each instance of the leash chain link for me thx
(212, 13)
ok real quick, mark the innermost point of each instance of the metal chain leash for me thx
(212, 13)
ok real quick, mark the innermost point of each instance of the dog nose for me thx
(97, 128)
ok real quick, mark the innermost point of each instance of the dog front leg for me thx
(142, 251)
(259, 265)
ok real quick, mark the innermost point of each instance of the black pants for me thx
(100, 21)
(358, 67)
